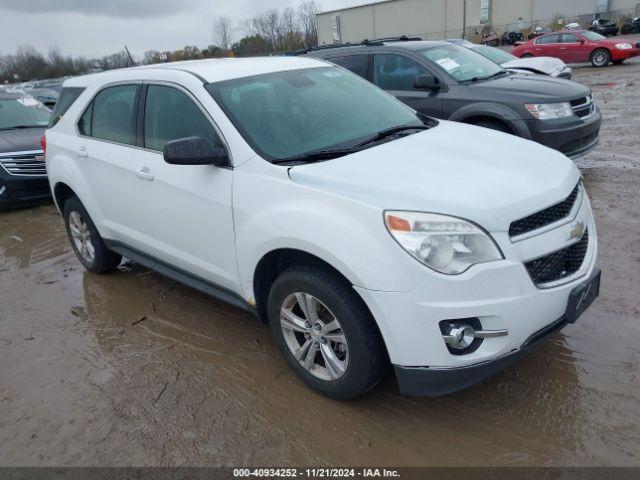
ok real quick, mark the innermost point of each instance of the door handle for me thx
(82, 152)
(144, 173)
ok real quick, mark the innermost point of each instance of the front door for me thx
(396, 74)
(185, 211)
(572, 48)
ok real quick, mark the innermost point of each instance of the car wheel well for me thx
(61, 193)
(483, 120)
(276, 262)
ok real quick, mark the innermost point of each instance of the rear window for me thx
(67, 97)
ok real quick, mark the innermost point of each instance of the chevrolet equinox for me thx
(366, 234)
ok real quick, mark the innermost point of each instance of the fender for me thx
(494, 110)
(62, 169)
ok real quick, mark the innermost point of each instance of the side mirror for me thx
(426, 81)
(194, 151)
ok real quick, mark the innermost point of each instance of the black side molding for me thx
(181, 276)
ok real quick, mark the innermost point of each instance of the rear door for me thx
(184, 211)
(395, 73)
(104, 150)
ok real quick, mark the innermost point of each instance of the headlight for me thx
(446, 244)
(544, 111)
(623, 46)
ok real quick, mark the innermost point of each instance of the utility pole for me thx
(464, 18)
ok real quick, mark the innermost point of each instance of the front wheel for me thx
(600, 57)
(85, 239)
(325, 332)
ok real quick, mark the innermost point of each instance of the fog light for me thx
(460, 336)
(465, 335)
(2, 190)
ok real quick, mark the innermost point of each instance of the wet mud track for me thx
(134, 369)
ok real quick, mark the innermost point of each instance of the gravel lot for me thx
(86, 380)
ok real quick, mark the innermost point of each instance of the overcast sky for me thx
(100, 27)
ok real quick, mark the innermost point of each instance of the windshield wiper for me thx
(317, 155)
(382, 134)
(15, 127)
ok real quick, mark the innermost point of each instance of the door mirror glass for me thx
(194, 151)
(426, 81)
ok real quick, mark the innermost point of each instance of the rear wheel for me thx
(85, 239)
(325, 332)
(600, 57)
(527, 55)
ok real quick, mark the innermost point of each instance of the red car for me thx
(576, 46)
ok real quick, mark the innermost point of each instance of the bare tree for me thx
(222, 32)
(307, 11)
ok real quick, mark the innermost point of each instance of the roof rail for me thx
(402, 38)
(367, 42)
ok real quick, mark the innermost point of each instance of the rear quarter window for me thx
(67, 98)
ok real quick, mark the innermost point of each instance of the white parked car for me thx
(551, 66)
(364, 234)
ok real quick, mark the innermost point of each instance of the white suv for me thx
(365, 234)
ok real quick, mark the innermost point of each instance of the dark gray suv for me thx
(447, 81)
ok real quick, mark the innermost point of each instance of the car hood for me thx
(20, 140)
(482, 175)
(534, 87)
(546, 65)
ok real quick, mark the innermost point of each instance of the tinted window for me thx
(569, 38)
(171, 114)
(358, 64)
(65, 100)
(295, 112)
(548, 39)
(111, 115)
(395, 72)
(23, 111)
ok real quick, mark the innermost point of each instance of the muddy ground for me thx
(198, 382)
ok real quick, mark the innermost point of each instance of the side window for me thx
(358, 64)
(395, 72)
(68, 95)
(569, 38)
(111, 115)
(170, 114)
(548, 39)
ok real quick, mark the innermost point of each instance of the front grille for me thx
(31, 164)
(545, 217)
(560, 264)
(583, 107)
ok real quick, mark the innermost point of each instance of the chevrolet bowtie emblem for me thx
(577, 231)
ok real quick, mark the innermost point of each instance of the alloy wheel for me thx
(81, 236)
(314, 336)
(600, 58)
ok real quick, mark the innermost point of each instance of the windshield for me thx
(593, 36)
(22, 112)
(461, 63)
(495, 54)
(292, 113)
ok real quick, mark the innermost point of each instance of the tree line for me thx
(271, 32)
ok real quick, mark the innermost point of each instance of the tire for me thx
(85, 239)
(493, 125)
(600, 57)
(359, 350)
(527, 55)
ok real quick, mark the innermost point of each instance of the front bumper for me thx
(574, 137)
(617, 54)
(23, 191)
(500, 295)
(441, 381)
